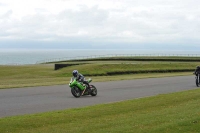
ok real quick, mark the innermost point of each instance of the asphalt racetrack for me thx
(20, 101)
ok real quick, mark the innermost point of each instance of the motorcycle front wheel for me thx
(76, 92)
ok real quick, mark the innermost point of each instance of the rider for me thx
(80, 78)
(197, 70)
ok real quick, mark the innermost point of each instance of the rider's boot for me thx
(87, 89)
(83, 91)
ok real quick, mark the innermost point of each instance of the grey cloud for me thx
(27, 27)
(5, 24)
(85, 17)
(157, 24)
(152, 23)
(3, 4)
(6, 15)
(41, 10)
(67, 23)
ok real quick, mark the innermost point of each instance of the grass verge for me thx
(166, 113)
(185, 58)
(40, 81)
(43, 75)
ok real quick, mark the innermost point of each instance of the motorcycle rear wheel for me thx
(93, 90)
(76, 92)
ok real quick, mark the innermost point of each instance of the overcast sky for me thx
(157, 24)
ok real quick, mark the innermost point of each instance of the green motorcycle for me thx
(79, 89)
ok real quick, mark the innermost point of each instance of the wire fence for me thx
(114, 55)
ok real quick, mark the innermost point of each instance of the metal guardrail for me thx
(113, 55)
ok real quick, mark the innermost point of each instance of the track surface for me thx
(21, 101)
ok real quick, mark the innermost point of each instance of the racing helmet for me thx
(75, 73)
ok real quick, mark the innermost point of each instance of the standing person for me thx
(197, 70)
(81, 78)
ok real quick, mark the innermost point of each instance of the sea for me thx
(36, 56)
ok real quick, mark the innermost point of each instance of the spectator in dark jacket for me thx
(197, 70)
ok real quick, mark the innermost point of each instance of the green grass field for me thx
(167, 113)
(175, 58)
(44, 74)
